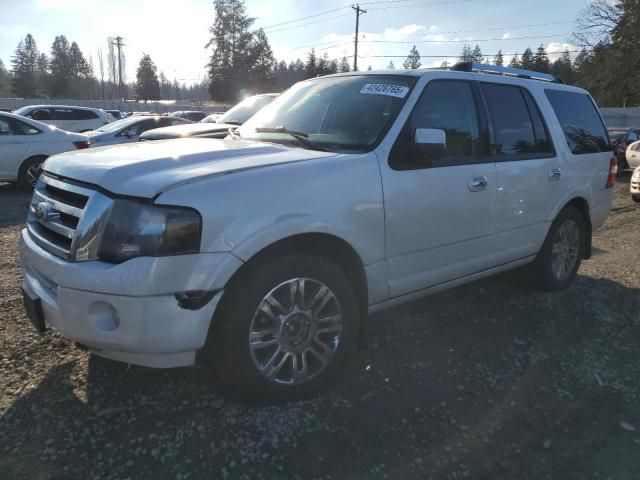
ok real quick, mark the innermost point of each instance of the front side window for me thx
(347, 113)
(447, 105)
(581, 124)
(517, 124)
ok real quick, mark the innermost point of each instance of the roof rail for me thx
(505, 71)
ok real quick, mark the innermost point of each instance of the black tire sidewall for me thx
(546, 280)
(230, 332)
(22, 173)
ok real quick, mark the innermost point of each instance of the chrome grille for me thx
(64, 218)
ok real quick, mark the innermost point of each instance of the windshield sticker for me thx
(385, 89)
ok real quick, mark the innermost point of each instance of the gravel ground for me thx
(489, 380)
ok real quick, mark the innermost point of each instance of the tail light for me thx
(82, 144)
(613, 172)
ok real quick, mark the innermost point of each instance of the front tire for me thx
(635, 198)
(30, 172)
(558, 262)
(285, 328)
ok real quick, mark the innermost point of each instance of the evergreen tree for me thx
(344, 66)
(147, 84)
(413, 60)
(24, 67)
(467, 53)
(311, 67)
(60, 65)
(5, 81)
(444, 65)
(282, 66)
(391, 66)
(79, 66)
(260, 62)
(42, 75)
(541, 61)
(232, 42)
(476, 55)
(498, 59)
(563, 68)
(333, 67)
(515, 61)
(526, 61)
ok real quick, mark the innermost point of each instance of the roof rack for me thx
(505, 71)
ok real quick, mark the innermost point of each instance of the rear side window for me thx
(518, 126)
(581, 124)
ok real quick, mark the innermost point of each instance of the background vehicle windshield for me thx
(617, 135)
(343, 113)
(245, 109)
(118, 124)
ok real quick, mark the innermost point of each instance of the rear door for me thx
(440, 216)
(531, 179)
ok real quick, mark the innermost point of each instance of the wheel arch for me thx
(31, 156)
(582, 205)
(330, 246)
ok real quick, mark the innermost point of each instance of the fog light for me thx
(104, 317)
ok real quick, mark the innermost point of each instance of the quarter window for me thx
(517, 124)
(581, 124)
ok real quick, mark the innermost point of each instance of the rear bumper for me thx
(127, 312)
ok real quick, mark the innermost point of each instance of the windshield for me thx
(118, 124)
(245, 109)
(349, 113)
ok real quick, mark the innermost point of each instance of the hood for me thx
(186, 130)
(144, 169)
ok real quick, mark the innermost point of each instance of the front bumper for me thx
(128, 311)
(635, 186)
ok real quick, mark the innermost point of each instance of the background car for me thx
(129, 129)
(193, 115)
(243, 111)
(635, 185)
(218, 128)
(69, 118)
(621, 137)
(25, 144)
(117, 114)
(633, 155)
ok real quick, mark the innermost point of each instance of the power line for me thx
(309, 23)
(457, 55)
(305, 18)
(467, 40)
(419, 4)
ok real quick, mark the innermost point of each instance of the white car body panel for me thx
(100, 117)
(633, 155)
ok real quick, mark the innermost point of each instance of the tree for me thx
(78, 65)
(563, 68)
(391, 66)
(260, 62)
(413, 60)
(147, 84)
(515, 61)
(498, 59)
(526, 61)
(5, 81)
(467, 53)
(24, 67)
(235, 49)
(60, 65)
(344, 65)
(541, 61)
(596, 22)
(476, 55)
(311, 67)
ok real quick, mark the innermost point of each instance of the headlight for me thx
(136, 229)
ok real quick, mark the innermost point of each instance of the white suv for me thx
(71, 119)
(348, 194)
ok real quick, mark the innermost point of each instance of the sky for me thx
(174, 32)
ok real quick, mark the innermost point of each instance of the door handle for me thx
(476, 184)
(554, 174)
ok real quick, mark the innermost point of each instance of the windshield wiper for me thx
(301, 137)
(234, 133)
(231, 122)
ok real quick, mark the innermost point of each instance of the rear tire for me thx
(299, 312)
(30, 171)
(558, 261)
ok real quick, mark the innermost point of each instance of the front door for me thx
(440, 214)
(13, 147)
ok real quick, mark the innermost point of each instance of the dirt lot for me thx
(485, 381)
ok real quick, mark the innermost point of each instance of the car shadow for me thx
(14, 204)
(482, 376)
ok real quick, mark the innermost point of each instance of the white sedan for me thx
(25, 144)
(633, 154)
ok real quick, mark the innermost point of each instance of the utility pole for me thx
(118, 43)
(359, 12)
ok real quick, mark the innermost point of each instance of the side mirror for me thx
(429, 144)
